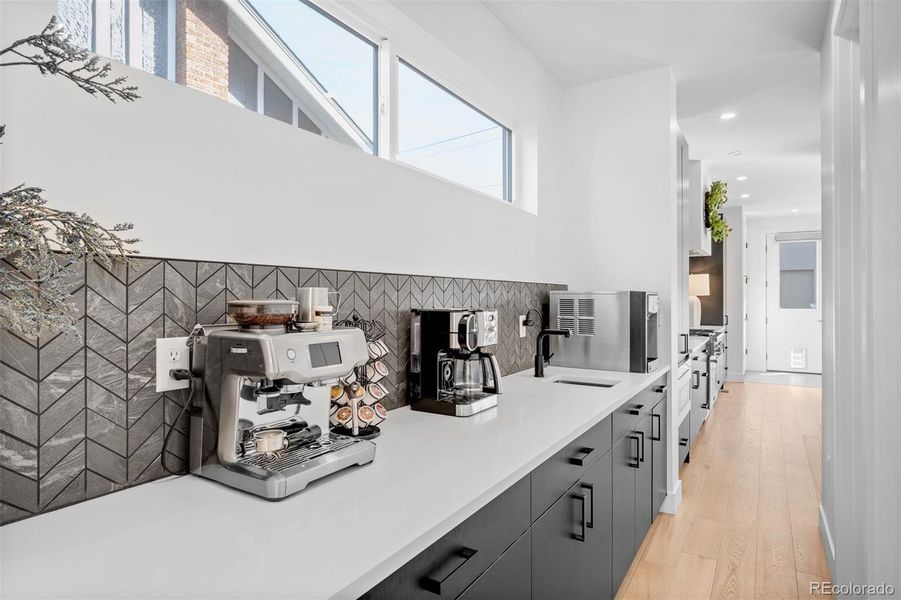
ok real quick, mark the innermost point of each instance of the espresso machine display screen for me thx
(322, 355)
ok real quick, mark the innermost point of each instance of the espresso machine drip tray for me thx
(287, 459)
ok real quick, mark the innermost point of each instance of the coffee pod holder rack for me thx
(354, 393)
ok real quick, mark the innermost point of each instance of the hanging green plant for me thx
(714, 199)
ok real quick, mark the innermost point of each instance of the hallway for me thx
(748, 523)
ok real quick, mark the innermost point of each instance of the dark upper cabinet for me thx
(572, 541)
(659, 437)
(509, 578)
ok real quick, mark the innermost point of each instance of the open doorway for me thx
(794, 317)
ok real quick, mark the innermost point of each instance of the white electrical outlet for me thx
(522, 326)
(171, 353)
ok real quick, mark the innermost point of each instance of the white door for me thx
(794, 322)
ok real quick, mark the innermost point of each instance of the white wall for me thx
(861, 74)
(621, 161)
(204, 179)
(758, 227)
(736, 302)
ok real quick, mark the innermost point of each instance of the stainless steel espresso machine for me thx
(246, 427)
(451, 371)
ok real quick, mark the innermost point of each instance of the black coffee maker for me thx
(451, 371)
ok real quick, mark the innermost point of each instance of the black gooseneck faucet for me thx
(539, 351)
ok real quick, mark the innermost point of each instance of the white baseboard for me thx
(673, 500)
(828, 544)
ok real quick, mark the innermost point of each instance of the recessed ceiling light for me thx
(727, 116)
(735, 153)
(741, 178)
(795, 210)
(746, 195)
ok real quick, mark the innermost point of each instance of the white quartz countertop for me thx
(191, 537)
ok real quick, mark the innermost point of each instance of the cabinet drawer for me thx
(510, 578)
(632, 411)
(558, 473)
(450, 565)
(684, 438)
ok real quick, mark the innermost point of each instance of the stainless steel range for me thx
(714, 371)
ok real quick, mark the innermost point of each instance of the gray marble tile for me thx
(18, 457)
(107, 433)
(145, 314)
(59, 350)
(106, 314)
(107, 404)
(141, 402)
(260, 273)
(106, 285)
(245, 272)
(19, 422)
(106, 344)
(144, 286)
(18, 490)
(214, 311)
(61, 475)
(236, 286)
(181, 288)
(19, 354)
(106, 374)
(145, 425)
(212, 287)
(173, 329)
(185, 268)
(62, 411)
(179, 312)
(144, 463)
(141, 374)
(67, 375)
(97, 485)
(144, 343)
(59, 445)
(106, 463)
(206, 269)
(74, 492)
(266, 287)
(10, 514)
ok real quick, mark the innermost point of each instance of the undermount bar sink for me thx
(601, 383)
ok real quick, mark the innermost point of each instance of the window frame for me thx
(133, 25)
(506, 144)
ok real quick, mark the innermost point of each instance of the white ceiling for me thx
(756, 58)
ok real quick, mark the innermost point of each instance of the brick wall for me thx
(202, 46)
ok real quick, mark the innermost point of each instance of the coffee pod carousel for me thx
(356, 401)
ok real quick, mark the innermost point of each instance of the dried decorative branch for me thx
(53, 53)
(38, 243)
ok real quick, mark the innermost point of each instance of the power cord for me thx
(178, 375)
(529, 322)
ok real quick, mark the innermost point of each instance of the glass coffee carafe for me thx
(469, 375)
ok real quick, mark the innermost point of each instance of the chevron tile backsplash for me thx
(79, 414)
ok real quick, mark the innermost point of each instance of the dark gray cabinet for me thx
(659, 435)
(568, 530)
(572, 541)
(699, 405)
(509, 578)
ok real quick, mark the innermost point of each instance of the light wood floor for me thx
(748, 523)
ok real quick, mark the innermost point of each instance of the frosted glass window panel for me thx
(341, 62)
(77, 16)
(798, 275)
(155, 36)
(118, 30)
(242, 77)
(276, 103)
(440, 133)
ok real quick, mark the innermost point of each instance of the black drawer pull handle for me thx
(580, 536)
(590, 488)
(641, 447)
(580, 460)
(633, 461)
(660, 389)
(683, 441)
(655, 418)
(695, 380)
(431, 584)
(634, 411)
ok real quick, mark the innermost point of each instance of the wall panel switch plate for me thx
(522, 326)
(171, 353)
